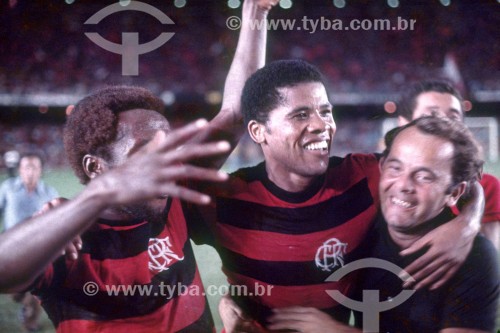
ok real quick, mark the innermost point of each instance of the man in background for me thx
(440, 98)
(21, 197)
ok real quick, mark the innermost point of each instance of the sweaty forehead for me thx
(421, 148)
(309, 92)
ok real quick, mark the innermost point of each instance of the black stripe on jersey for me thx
(282, 273)
(62, 303)
(203, 324)
(116, 244)
(295, 221)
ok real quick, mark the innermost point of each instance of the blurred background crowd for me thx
(47, 62)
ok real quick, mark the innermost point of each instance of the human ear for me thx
(256, 131)
(402, 121)
(93, 165)
(456, 193)
(381, 164)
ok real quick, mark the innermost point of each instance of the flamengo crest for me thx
(330, 254)
(161, 254)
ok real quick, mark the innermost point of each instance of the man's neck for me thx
(290, 182)
(30, 187)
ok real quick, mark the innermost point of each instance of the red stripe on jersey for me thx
(272, 246)
(177, 314)
(274, 296)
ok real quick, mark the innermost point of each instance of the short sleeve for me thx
(491, 187)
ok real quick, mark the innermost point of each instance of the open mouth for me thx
(402, 203)
(318, 146)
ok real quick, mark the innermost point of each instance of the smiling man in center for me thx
(286, 224)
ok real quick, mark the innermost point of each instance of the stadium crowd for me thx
(50, 53)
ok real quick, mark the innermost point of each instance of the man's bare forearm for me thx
(30, 246)
(472, 211)
(249, 56)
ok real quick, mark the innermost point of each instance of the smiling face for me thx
(415, 180)
(135, 129)
(296, 138)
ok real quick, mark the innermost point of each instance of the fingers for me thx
(50, 205)
(267, 4)
(433, 277)
(421, 268)
(179, 136)
(449, 272)
(185, 194)
(194, 151)
(71, 250)
(185, 172)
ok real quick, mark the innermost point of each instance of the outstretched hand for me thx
(154, 170)
(449, 246)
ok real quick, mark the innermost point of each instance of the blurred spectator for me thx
(20, 198)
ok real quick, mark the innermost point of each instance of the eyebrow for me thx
(307, 108)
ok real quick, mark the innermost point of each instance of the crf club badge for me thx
(161, 254)
(330, 254)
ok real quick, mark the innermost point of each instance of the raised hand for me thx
(156, 169)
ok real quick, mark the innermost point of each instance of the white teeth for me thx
(401, 203)
(317, 146)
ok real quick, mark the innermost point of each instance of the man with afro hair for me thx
(130, 215)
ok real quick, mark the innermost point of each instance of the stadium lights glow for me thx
(393, 3)
(339, 3)
(179, 3)
(390, 107)
(286, 4)
(168, 97)
(445, 2)
(233, 4)
(69, 2)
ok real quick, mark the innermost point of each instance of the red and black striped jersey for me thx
(131, 276)
(283, 246)
(491, 186)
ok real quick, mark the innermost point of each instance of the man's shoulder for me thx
(481, 262)
(490, 183)
(357, 158)
(10, 183)
(249, 174)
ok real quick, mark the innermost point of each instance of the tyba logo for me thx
(370, 306)
(130, 49)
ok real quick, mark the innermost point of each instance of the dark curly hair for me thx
(467, 157)
(260, 94)
(92, 125)
(408, 101)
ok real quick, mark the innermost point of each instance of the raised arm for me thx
(149, 173)
(249, 56)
